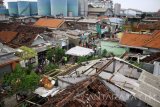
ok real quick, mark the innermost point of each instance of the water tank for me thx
(13, 8)
(83, 7)
(59, 7)
(70, 14)
(23, 8)
(44, 7)
(34, 8)
(72, 6)
(3, 11)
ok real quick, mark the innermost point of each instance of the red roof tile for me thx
(50, 23)
(154, 42)
(7, 36)
(136, 40)
(141, 40)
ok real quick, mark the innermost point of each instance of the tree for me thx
(19, 80)
(50, 54)
(55, 54)
(26, 53)
(58, 53)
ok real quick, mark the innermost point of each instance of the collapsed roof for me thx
(88, 93)
(20, 35)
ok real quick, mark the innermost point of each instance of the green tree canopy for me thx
(55, 54)
(26, 53)
(20, 80)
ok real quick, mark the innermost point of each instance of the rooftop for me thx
(91, 21)
(141, 40)
(50, 23)
(97, 10)
(90, 92)
(7, 36)
(5, 50)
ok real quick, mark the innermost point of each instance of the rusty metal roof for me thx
(7, 36)
(50, 23)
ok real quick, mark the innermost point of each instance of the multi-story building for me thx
(133, 12)
(117, 9)
(100, 7)
(101, 3)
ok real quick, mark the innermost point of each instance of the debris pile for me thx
(91, 93)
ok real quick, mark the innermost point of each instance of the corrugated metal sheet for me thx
(50, 23)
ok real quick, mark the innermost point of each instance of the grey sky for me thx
(144, 5)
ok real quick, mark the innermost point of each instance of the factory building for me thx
(71, 8)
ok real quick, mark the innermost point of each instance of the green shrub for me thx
(82, 59)
(20, 80)
(50, 67)
(104, 53)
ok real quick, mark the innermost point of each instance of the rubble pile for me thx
(152, 58)
(28, 33)
(8, 26)
(88, 93)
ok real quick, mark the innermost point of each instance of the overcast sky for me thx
(144, 5)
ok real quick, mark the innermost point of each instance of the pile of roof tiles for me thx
(8, 26)
(88, 93)
(26, 35)
(23, 34)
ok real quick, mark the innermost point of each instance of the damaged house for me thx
(110, 82)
